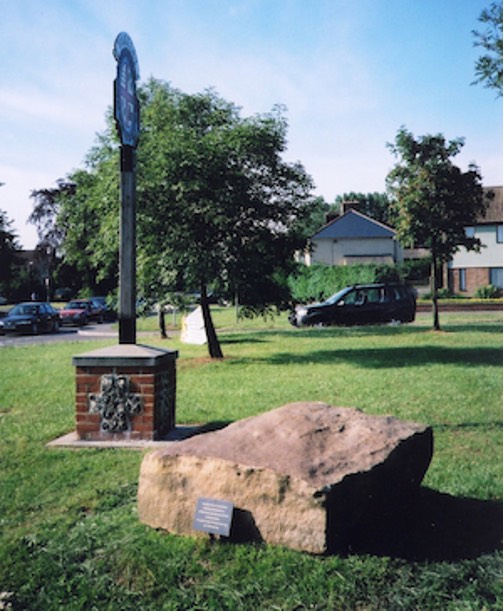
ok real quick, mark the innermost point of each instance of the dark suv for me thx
(360, 305)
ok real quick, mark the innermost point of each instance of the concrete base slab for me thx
(181, 432)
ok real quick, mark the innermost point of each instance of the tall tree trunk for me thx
(214, 348)
(434, 292)
(162, 324)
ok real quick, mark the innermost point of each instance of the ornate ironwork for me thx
(115, 403)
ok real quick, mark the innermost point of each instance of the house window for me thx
(499, 234)
(462, 280)
(470, 232)
(496, 277)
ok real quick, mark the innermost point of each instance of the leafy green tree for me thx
(432, 200)
(488, 67)
(318, 216)
(45, 212)
(218, 203)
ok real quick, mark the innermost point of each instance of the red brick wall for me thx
(156, 387)
(475, 278)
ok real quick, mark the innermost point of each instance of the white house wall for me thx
(334, 252)
(490, 255)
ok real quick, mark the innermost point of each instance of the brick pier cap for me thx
(125, 355)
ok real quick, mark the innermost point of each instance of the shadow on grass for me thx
(476, 328)
(433, 526)
(395, 357)
(353, 331)
(358, 331)
(456, 426)
(241, 340)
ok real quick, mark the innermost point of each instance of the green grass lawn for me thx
(70, 536)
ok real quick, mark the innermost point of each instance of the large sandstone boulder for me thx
(304, 476)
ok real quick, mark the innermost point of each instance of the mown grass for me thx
(71, 539)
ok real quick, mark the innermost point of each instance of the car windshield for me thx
(334, 299)
(80, 305)
(23, 309)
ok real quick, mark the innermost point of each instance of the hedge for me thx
(320, 281)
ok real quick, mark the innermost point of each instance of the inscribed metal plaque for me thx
(213, 516)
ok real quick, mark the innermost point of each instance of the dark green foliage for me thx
(320, 281)
(317, 217)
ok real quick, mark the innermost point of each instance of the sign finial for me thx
(126, 107)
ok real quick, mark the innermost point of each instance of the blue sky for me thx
(349, 72)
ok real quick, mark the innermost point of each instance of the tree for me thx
(44, 215)
(488, 67)
(317, 217)
(218, 202)
(432, 200)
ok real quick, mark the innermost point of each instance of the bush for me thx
(488, 292)
(320, 281)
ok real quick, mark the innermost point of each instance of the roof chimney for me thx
(330, 216)
(350, 205)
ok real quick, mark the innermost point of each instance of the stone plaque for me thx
(213, 516)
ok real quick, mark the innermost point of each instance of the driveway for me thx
(72, 334)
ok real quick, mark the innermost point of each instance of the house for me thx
(470, 270)
(354, 238)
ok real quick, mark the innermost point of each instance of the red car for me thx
(79, 312)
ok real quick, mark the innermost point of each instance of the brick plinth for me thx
(125, 391)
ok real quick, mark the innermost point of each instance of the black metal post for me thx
(127, 249)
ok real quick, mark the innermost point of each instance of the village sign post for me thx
(127, 116)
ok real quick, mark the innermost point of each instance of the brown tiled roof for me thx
(494, 211)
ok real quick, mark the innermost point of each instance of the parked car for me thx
(107, 313)
(31, 317)
(80, 312)
(360, 305)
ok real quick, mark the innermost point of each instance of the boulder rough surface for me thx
(304, 475)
